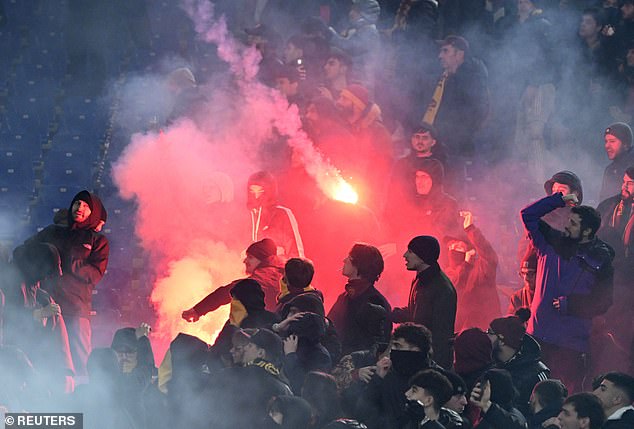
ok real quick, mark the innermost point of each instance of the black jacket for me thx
(526, 369)
(84, 255)
(362, 320)
(499, 418)
(625, 422)
(238, 397)
(432, 302)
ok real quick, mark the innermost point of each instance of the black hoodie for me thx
(526, 369)
(84, 254)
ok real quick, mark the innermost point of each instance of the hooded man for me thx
(432, 298)
(262, 265)
(618, 146)
(472, 269)
(424, 205)
(84, 255)
(270, 220)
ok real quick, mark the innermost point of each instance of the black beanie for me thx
(425, 247)
(621, 131)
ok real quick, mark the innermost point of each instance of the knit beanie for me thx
(262, 249)
(472, 351)
(425, 247)
(621, 131)
(511, 329)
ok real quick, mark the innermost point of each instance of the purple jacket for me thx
(579, 275)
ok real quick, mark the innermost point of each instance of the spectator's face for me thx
(312, 116)
(560, 187)
(420, 395)
(250, 263)
(422, 142)
(334, 68)
(608, 394)
(286, 87)
(402, 345)
(127, 359)
(349, 270)
(533, 402)
(412, 261)
(588, 27)
(524, 6)
(81, 211)
(627, 188)
(424, 183)
(573, 229)
(292, 53)
(528, 275)
(450, 58)
(628, 11)
(568, 418)
(613, 146)
(346, 106)
(251, 352)
(457, 403)
(237, 351)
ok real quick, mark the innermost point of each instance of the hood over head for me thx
(268, 197)
(98, 212)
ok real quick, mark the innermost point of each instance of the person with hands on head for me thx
(574, 283)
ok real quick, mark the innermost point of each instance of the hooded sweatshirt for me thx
(84, 255)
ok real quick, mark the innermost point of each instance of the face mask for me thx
(415, 410)
(407, 362)
(237, 312)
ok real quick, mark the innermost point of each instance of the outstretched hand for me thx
(190, 315)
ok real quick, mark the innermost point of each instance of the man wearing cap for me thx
(262, 265)
(574, 284)
(432, 299)
(237, 397)
(618, 147)
(519, 354)
(84, 255)
(372, 143)
(460, 100)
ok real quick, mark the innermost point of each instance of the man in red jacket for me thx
(262, 265)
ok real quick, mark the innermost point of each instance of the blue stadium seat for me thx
(64, 169)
